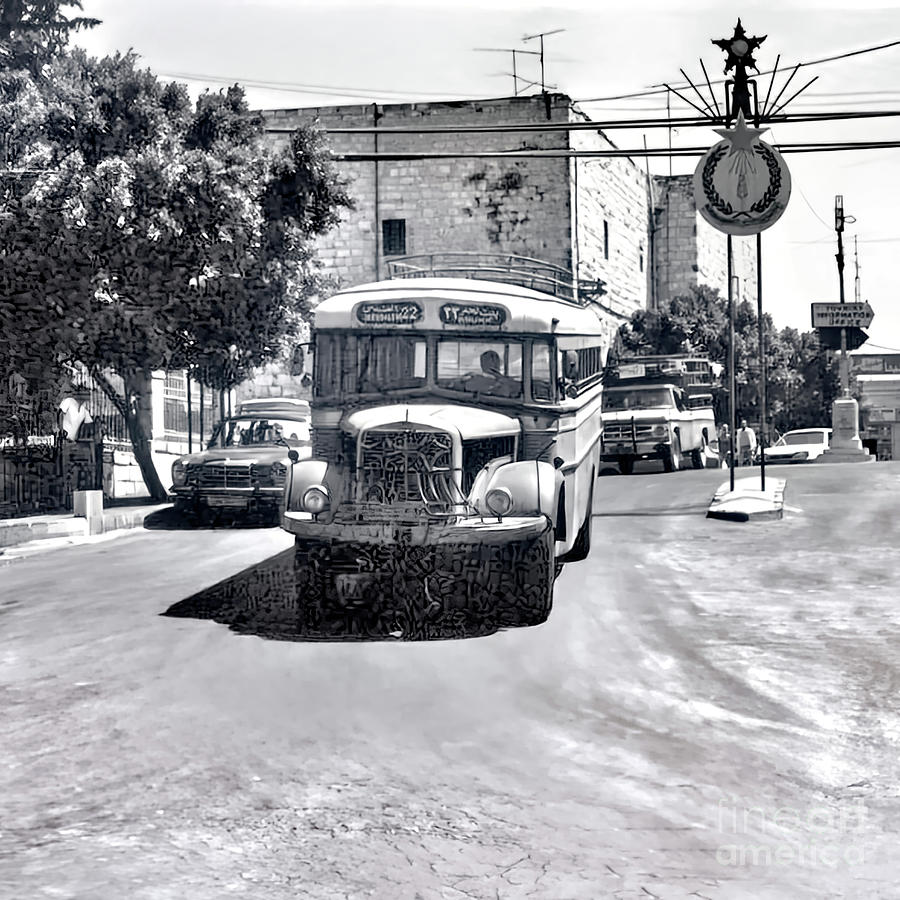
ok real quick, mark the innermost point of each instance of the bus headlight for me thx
(659, 431)
(499, 501)
(178, 472)
(316, 499)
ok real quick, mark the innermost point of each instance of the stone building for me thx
(688, 251)
(877, 376)
(602, 218)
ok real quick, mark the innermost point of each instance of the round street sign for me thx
(741, 185)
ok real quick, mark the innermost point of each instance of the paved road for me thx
(711, 711)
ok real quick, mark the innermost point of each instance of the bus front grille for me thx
(399, 465)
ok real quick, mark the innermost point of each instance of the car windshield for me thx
(482, 367)
(257, 430)
(802, 437)
(617, 400)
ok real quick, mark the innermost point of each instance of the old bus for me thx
(456, 426)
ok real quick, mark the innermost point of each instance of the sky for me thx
(297, 53)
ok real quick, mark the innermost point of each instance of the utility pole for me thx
(846, 445)
(839, 256)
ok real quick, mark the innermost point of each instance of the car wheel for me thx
(699, 453)
(672, 461)
(626, 465)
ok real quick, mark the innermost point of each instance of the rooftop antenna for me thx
(542, 35)
(514, 71)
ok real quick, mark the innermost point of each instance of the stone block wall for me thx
(688, 251)
(486, 205)
(611, 225)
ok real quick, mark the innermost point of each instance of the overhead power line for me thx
(595, 125)
(564, 153)
(662, 89)
(326, 89)
(370, 92)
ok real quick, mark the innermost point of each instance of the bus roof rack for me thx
(505, 268)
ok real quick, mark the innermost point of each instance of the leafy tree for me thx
(146, 234)
(801, 381)
(33, 32)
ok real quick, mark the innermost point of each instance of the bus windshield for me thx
(480, 367)
(347, 364)
(643, 398)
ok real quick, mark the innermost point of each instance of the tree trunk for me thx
(139, 419)
(136, 408)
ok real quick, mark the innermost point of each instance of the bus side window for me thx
(541, 384)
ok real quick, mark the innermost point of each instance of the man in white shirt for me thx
(746, 444)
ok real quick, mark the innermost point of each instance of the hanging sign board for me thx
(471, 316)
(391, 313)
(741, 185)
(842, 315)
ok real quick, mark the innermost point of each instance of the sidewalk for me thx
(67, 528)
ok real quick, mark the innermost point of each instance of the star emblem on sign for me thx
(741, 137)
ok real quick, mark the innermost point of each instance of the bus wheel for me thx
(626, 465)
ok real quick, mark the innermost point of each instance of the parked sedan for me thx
(242, 472)
(800, 446)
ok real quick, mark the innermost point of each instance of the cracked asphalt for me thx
(711, 712)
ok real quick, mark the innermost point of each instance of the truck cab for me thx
(656, 410)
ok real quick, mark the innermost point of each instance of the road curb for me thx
(747, 502)
(35, 532)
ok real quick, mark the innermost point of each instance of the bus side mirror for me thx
(293, 455)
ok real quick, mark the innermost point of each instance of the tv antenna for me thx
(542, 35)
(514, 71)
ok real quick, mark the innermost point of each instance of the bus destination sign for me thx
(470, 316)
(403, 312)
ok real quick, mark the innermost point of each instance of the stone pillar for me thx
(846, 445)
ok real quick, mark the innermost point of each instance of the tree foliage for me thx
(801, 378)
(144, 232)
(34, 32)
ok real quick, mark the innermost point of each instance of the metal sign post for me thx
(742, 186)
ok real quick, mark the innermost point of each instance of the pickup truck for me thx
(656, 417)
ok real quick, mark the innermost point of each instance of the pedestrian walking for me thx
(746, 444)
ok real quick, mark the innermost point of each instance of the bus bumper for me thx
(495, 572)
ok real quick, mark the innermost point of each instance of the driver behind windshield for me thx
(491, 380)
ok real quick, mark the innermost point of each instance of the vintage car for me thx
(295, 408)
(243, 470)
(800, 446)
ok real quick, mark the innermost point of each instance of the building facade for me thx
(602, 218)
(877, 377)
(689, 252)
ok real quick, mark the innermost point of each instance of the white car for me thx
(803, 445)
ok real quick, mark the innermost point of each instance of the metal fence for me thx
(41, 478)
